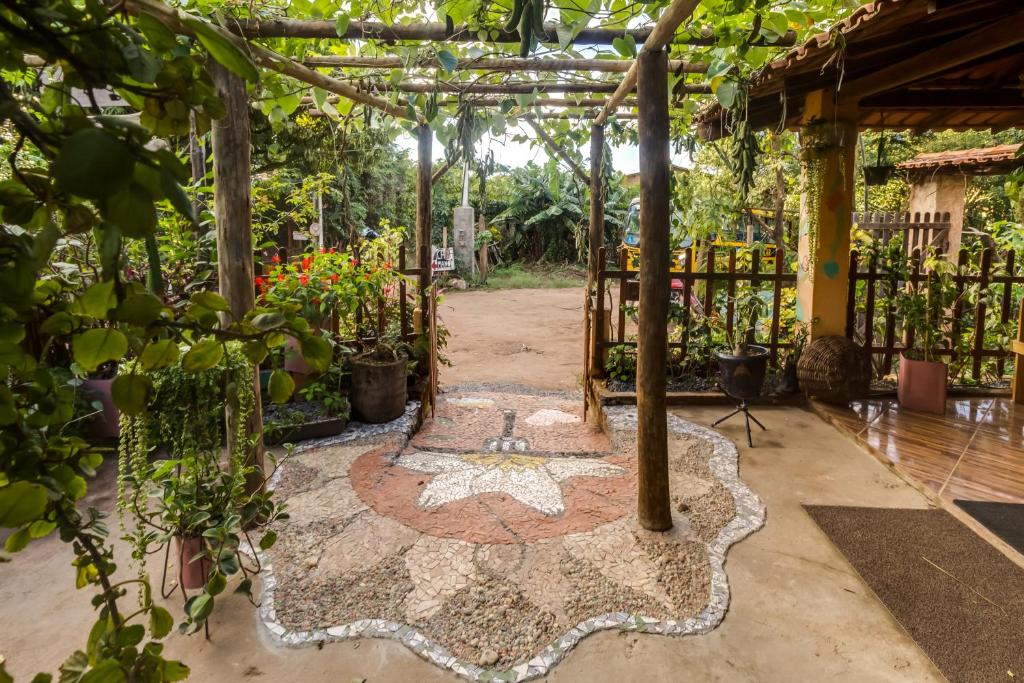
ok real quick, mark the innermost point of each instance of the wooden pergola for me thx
(647, 76)
(893, 64)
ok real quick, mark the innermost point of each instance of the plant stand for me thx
(741, 407)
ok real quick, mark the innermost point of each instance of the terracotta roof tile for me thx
(1003, 155)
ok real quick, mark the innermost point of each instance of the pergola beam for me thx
(513, 64)
(527, 88)
(557, 150)
(660, 36)
(439, 32)
(267, 58)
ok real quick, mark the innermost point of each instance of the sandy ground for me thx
(798, 611)
(517, 336)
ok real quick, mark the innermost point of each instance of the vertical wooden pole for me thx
(829, 140)
(197, 160)
(653, 504)
(596, 203)
(424, 219)
(232, 212)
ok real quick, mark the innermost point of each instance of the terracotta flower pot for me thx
(922, 385)
(378, 389)
(107, 424)
(293, 360)
(193, 573)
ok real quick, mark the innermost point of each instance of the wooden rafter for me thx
(660, 36)
(513, 64)
(525, 88)
(439, 32)
(267, 58)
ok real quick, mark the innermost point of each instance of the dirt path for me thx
(515, 336)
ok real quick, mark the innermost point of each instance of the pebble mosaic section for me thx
(500, 535)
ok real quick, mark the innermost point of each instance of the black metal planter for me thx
(741, 377)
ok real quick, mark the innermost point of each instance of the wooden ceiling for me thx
(909, 64)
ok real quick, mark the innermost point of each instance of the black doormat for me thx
(959, 598)
(1005, 520)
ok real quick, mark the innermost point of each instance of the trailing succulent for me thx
(528, 17)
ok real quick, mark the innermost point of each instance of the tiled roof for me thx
(1003, 156)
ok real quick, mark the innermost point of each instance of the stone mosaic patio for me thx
(500, 535)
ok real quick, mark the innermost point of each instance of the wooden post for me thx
(596, 203)
(653, 503)
(424, 219)
(828, 138)
(232, 212)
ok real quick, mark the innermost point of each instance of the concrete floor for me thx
(799, 612)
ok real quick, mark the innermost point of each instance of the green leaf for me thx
(217, 583)
(160, 622)
(93, 348)
(132, 635)
(211, 300)
(625, 45)
(20, 503)
(176, 195)
(132, 210)
(268, 321)
(97, 299)
(268, 540)
(106, 671)
(341, 22)
(255, 351)
(140, 309)
(41, 528)
(17, 541)
(159, 354)
(175, 671)
(281, 386)
(223, 49)
(93, 163)
(726, 93)
(317, 353)
(447, 60)
(131, 392)
(244, 587)
(198, 607)
(202, 356)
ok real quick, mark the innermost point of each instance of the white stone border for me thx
(621, 421)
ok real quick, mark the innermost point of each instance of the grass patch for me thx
(534, 276)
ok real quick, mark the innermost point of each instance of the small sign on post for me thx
(443, 259)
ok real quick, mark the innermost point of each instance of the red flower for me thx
(275, 258)
(259, 282)
(304, 279)
(316, 302)
(280, 278)
(366, 277)
(305, 263)
(323, 250)
(333, 250)
(334, 277)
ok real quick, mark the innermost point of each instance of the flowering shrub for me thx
(316, 283)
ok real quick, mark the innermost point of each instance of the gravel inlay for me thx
(502, 534)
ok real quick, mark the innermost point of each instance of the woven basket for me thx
(834, 369)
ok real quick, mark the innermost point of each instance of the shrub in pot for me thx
(742, 365)
(195, 502)
(379, 383)
(926, 309)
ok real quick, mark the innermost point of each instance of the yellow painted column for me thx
(828, 139)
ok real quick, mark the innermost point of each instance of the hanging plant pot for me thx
(922, 385)
(877, 175)
(378, 388)
(742, 375)
(194, 572)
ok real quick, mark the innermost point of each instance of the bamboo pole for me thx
(660, 36)
(424, 217)
(232, 212)
(653, 503)
(439, 32)
(513, 64)
(557, 150)
(560, 102)
(269, 59)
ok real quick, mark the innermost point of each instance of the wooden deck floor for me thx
(973, 452)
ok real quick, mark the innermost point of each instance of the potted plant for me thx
(380, 369)
(195, 501)
(926, 309)
(742, 365)
(323, 410)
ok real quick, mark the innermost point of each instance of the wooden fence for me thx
(604, 335)
(879, 330)
(372, 319)
(918, 231)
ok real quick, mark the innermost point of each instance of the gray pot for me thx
(378, 388)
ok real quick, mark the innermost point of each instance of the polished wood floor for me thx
(973, 452)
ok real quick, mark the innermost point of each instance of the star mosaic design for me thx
(532, 480)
